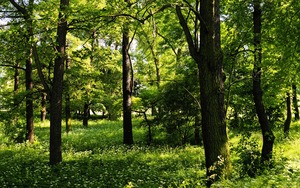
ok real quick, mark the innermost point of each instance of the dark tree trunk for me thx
(29, 101)
(57, 87)
(86, 114)
(127, 89)
(212, 92)
(295, 102)
(43, 105)
(288, 120)
(67, 98)
(268, 136)
(210, 63)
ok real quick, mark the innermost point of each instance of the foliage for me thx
(178, 109)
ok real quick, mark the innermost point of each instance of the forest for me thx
(149, 93)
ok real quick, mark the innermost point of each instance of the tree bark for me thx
(288, 120)
(57, 87)
(28, 77)
(127, 89)
(268, 136)
(295, 102)
(210, 63)
(212, 92)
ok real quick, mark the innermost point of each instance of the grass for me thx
(96, 157)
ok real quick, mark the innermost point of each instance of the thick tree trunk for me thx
(127, 90)
(268, 136)
(210, 63)
(295, 102)
(212, 92)
(86, 112)
(29, 101)
(57, 88)
(43, 106)
(288, 120)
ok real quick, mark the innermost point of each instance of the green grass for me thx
(96, 157)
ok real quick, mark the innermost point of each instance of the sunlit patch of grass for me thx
(96, 157)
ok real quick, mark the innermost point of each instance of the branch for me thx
(167, 41)
(19, 8)
(39, 68)
(114, 16)
(189, 38)
(197, 14)
(12, 66)
(157, 11)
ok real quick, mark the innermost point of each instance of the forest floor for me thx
(96, 157)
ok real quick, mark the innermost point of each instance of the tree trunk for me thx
(67, 98)
(210, 63)
(127, 89)
(86, 112)
(29, 101)
(57, 88)
(212, 92)
(28, 78)
(268, 136)
(43, 105)
(288, 120)
(295, 102)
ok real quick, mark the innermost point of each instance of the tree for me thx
(127, 87)
(288, 120)
(57, 86)
(209, 60)
(27, 13)
(268, 137)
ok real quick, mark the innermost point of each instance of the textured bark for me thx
(127, 89)
(268, 136)
(288, 120)
(210, 64)
(295, 102)
(212, 93)
(57, 87)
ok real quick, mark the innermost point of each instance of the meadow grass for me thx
(96, 157)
